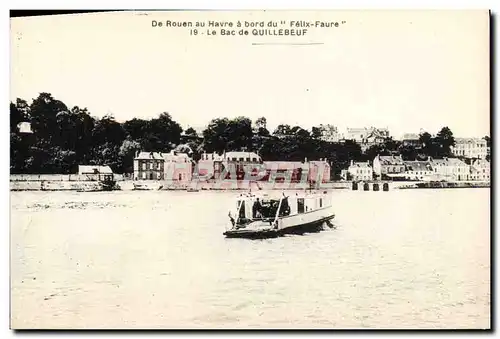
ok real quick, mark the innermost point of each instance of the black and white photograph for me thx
(257, 169)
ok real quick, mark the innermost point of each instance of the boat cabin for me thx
(252, 208)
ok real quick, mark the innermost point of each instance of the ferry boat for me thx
(263, 216)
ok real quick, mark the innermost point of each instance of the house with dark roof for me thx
(162, 166)
(480, 170)
(419, 170)
(451, 169)
(388, 165)
(367, 137)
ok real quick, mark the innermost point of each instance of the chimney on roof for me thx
(352, 162)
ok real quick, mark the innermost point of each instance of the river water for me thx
(398, 259)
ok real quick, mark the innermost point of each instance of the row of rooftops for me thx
(171, 156)
(234, 156)
(398, 161)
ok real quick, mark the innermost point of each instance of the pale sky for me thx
(404, 70)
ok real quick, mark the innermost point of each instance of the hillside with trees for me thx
(65, 137)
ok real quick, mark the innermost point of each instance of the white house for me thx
(419, 170)
(451, 169)
(473, 148)
(358, 171)
(24, 127)
(243, 157)
(480, 170)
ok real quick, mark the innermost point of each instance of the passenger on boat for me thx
(285, 207)
(257, 209)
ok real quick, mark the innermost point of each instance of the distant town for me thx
(48, 138)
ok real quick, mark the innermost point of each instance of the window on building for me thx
(320, 202)
(144, 166)
(144, 175)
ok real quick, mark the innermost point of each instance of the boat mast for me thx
(277, 213)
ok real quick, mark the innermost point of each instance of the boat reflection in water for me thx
(264, 216)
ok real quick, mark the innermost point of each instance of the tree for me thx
(488, 141)
(44, 124)
(107, 137)
(409, 152)
(425, 139)
(84, 126)
(488, 144)
(375, 150)
(167, 131)
(20, 144)
(19, 112)
(317, 132)
(391, 145)
(429, 147)
(282, 130)
(127, 152)
(261, 127)
(261, 123)
(228, 135)
(191, 132)
(444, 141)
(136, 129)
(215, 135)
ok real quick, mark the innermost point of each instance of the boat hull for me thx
(307, 227)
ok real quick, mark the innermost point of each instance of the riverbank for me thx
(129, 185)
(437, 185)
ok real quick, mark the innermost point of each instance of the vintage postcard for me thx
(250, 170)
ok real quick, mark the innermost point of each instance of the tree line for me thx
(65, 137)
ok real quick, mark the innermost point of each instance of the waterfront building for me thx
(450, 169)
(386, 166)
(162, 166)
(212, 165)
(419, 170)
(472, 148)
(178, 166)
(149, 166)
(480, 170)
(358, 171)
(319, 170)
(280, 171)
